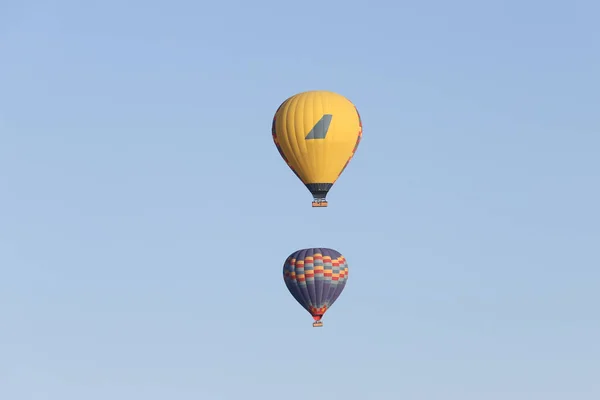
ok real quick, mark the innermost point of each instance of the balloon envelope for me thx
(315, 277)
(317, 134)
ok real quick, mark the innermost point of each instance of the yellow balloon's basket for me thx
(317, 324)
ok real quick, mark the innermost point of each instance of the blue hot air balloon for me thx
(315, 277)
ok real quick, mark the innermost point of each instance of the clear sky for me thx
(145, 213)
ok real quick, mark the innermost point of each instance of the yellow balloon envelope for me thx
(317, 133)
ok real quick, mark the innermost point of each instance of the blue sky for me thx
(146, 214)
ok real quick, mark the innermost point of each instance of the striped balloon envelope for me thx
(315, 277)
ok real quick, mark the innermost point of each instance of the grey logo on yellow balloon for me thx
(319, 131)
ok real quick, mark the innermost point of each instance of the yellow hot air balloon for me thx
(317, 133)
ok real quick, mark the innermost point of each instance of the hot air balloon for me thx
(317, 134)
(315, 277)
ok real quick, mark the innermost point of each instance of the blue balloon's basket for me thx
(319, 203)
